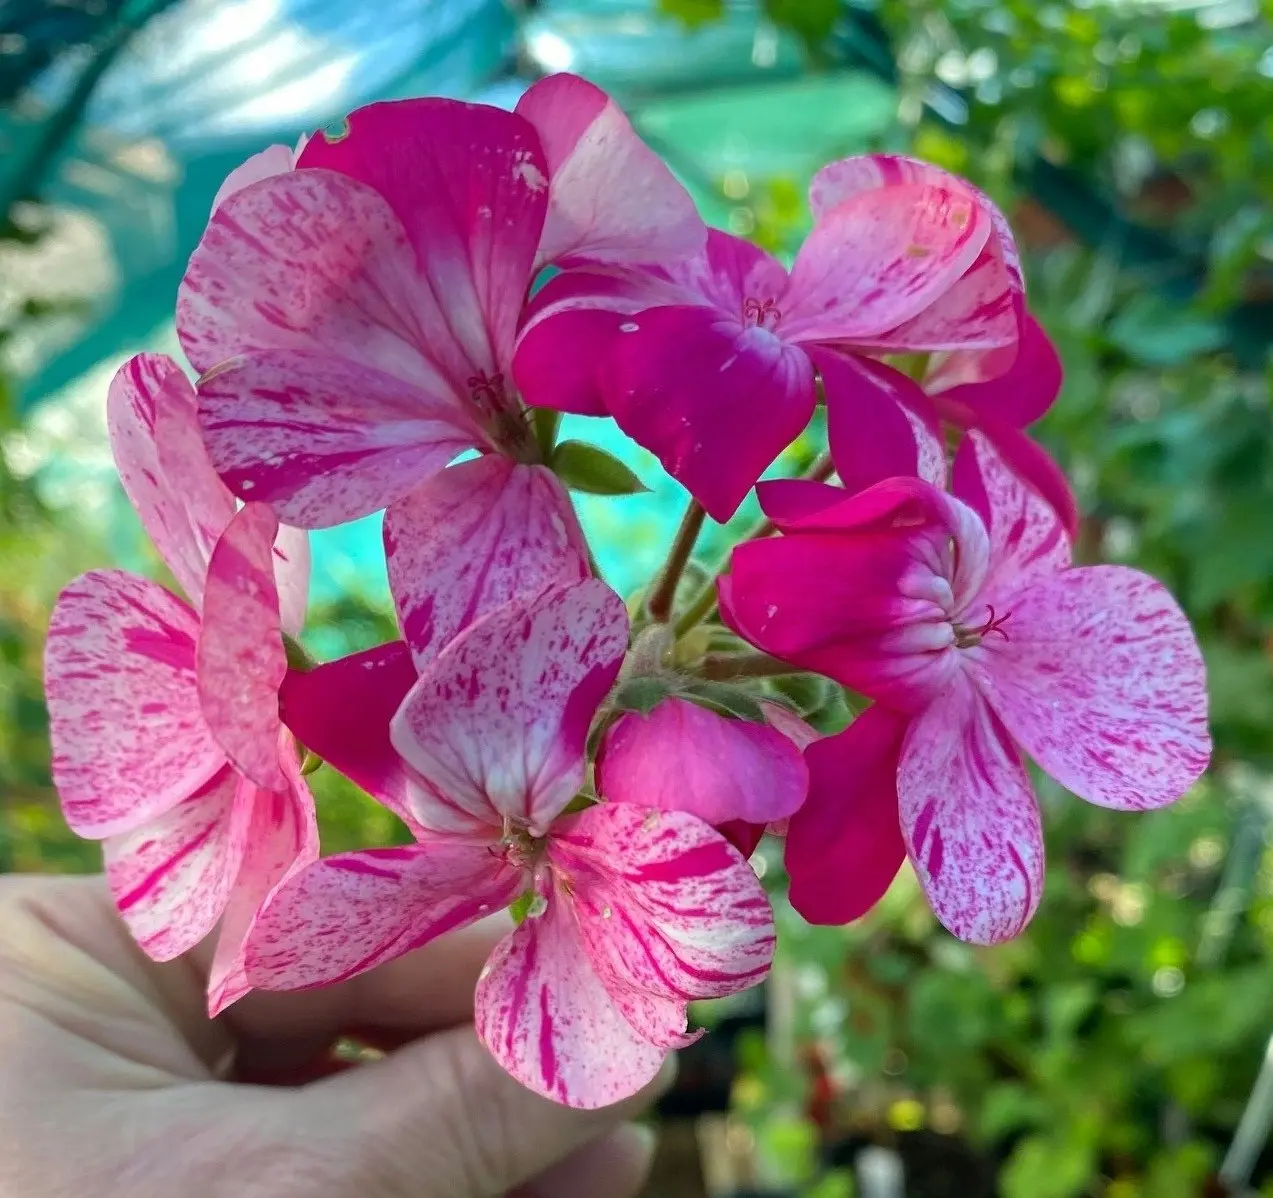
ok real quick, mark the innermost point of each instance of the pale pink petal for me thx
(1027, 539)
(878, 259)
(469, 184)
(341, 712)
(970, 819)
(1100, 678)
(323, 440)
(666, 905)
(880, 424)
(171, 876)
(682, 757)
(129, 737)
(343, 915)
(273, 160)
(966, 394)
(611, 198)
(314, 261)
(715, 401)
(547, 1018)
(801, 733)
(496, 726)
(152, 419)
(279, 831)
(727, 274)
(471, 539)
(844, 846)
(240, 658)
(291, 575)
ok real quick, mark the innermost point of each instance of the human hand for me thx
(113, 1081)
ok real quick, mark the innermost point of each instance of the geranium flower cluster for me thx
(392, 317)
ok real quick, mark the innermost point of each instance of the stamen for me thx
(966, 638)
(762, 313)
(487, 392)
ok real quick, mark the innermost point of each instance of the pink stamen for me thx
(761, 312)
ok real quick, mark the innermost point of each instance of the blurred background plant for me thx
(1109, 1051)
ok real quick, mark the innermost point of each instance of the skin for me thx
(113, 1081)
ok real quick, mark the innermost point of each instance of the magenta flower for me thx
(356, 317)
(966, 623)
(167, 741)
(710, 362)
(632, 912)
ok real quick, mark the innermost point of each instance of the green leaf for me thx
(693, 12)
(811, 20)
(726, 698)
(643, 694)
(584, 467)
(1153, 331)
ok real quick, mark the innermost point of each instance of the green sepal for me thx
(588, 468)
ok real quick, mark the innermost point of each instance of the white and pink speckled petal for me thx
(474, 537)
(291, 574)
(1101, 679)
(129, 737)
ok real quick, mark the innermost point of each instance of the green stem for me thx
(700, 609)
(720, 667)
(660, 602)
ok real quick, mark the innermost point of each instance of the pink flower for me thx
(632, 913)
(167, 742)
(965, 621)
(356, 317)
(710, 362)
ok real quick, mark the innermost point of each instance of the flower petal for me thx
(970, 819)
(1019, 397)
(472, 538)
(1034, 466)
(240, 660)
(682, 757)
(611, 198)
(879, 259)
(322, 439)
(291, 575)
(171, 876)
(880, 424)
(545, 1016)
(341, 712)
(714, 401)
(152, 419)
(273, 160)
(1101, 680)
(129, 737)
(844, 846)
(470, 185)
(343, 915)
(496, 726)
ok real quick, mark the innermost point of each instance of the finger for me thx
(442, 1109)
(614, 1165)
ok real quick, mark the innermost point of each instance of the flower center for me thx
(763, 314)
(519, 846)
(487, 392)
(966, 637)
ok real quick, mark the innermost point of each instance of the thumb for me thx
(440, 1119)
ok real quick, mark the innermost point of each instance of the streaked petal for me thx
(469, 184)
(879, 259)
(714, 401)
(323, 440)
(273, 160)
(544, 1014)
(171, 876)
(1101, 680)
(291, 575)
(129, 737)
(682, 757)
(611, 198)
(472, 538)
(343, 915)
(1034, 466)
(496, 726)
(966, 393)
(844, 845)
(152, 419)
(341, 711)
(240, 660)
(970, 819)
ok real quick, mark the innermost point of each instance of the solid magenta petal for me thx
(472, 538)
(970, 819)
(611, 198)
(496, 727)
(341, 711)
(682, 757)
(129, 737)
(340, 916)
(240, 658)
(714, 401)
(1102, 681)
(967, 393)
(152, 418)
(171, 876)
(844, 846)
